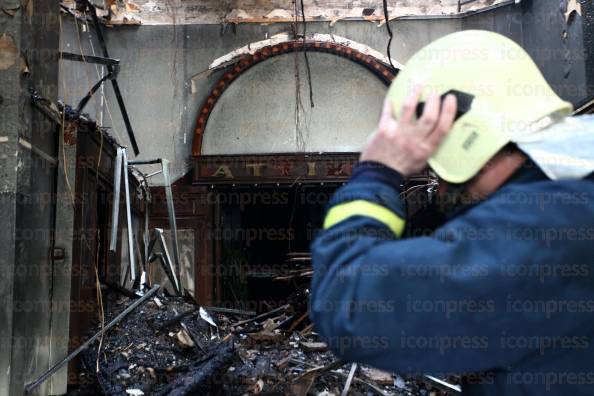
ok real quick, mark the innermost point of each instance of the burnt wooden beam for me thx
(200, 374)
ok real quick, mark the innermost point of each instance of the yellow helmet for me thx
(509, 96)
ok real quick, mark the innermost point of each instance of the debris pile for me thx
(170, 346)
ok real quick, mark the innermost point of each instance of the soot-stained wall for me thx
(553, 38)
(157, 63)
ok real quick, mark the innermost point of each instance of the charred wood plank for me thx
(263, 316)
(298, 321)
(177, 318)
(230, 311)
(201, 374)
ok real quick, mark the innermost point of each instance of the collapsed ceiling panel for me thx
(159, 12)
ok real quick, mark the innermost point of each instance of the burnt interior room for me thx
(165, 166)
(266, 232)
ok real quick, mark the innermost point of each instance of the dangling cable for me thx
(311, 100)
(299, 109)
(387, 17)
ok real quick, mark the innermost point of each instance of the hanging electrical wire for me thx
(387, 17)
(311, 100)
(299, 109)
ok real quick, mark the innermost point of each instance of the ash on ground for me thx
(169, 346)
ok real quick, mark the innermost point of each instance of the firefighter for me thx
(501, 293)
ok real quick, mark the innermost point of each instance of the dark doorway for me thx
(265, 233)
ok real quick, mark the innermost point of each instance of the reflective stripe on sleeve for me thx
(380, 213)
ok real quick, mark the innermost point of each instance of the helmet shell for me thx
(511, 95)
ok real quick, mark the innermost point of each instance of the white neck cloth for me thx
(564, 150)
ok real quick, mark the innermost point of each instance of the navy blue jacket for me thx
(502, 293)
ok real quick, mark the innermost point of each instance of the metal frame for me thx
(176, 268)
(83, 102)
(112, 71)
(164, 258)
(89, 58)
(115, 210)
(121, 163)
(129, 218)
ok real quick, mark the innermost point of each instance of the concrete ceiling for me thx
(161, 12)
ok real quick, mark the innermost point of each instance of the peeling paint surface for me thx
(8, 51)
(573, 7)
(162, 12)
(285, 37)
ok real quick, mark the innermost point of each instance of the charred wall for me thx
(557, 38)
(588, 27)
(158, 62)
(28, 149)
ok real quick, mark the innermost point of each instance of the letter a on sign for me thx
(224, 171)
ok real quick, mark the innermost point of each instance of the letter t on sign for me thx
(311, 169)
(256, 169)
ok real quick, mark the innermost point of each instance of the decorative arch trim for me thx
(379, 68)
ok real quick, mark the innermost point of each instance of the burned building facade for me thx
(239, 122)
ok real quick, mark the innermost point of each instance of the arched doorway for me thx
(375, 66)
(267, 185)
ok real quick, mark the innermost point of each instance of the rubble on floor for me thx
(169, 346)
